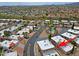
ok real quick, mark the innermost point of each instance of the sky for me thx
(31, 3)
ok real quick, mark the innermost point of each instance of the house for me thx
(71, 37)
(47, 20)
(18, 21)
(11, 29)
(76, 27)
(30, 27)
(73, 21)
(56, 22)
(2, 33)
(65, 49)
(14, 41)
(23, 30)
(1, 24)
(77, 41)
(73, 31)
(6, 44)
(11, 53)
(26, 29)
(46, 48)
(16, 37)
(64, 21)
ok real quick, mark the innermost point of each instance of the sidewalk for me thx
(36, 50)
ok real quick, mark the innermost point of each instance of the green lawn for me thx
(0, 51)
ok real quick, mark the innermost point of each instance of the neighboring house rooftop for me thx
(11, 54)
(45, 44)
(68, 35)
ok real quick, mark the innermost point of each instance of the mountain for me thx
(31, 3)
(74, 4)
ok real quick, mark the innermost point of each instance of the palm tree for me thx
(73, 26)
(7, 33)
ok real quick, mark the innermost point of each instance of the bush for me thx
(7, 33)
(49, 37)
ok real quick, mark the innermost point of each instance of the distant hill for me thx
(32, 3)
(74, 4)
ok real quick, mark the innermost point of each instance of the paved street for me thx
(30, 44)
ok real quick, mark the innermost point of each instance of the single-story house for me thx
(11, 54)
(70, 36)
(46, 48)
(6, 44)
(73, 31)
(58, 39)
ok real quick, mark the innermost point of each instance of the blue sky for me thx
(31, 3)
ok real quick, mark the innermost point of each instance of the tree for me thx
(73, 26)
(74, 43)
(25, 34)
(7, 33)
(30, 31)
(33, 28)
(49, 37)
(36, 25)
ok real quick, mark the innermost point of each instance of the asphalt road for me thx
(29, 47)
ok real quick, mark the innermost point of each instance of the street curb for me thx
(34, 49)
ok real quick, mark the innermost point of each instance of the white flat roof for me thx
(67, 48)
(14, 37)
(50, 53)
(45, 44)
(47, 20)
(5, 44)
(11, 54)
(58, 39)
(56, 20)
(73, 31)
(23, 30)
(73, 21)
(76, 27)
(14, 41)
(1, 24)
(64, 20)
(77, 40)
(68, 35)
(10, 29)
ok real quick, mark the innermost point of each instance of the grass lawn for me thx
(0, 51)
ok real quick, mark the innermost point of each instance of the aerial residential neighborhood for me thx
(46, 30)
(14, 36)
